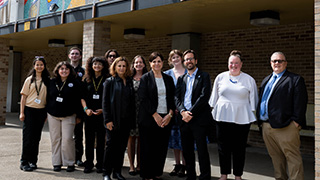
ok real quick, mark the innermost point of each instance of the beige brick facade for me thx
(317, 90)
(96, 39)
(4, 63)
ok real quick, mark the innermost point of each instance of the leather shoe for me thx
(33, 166)
(106, 177)
(26, 167)
(99, 170)
(118, 176)
(87, 170)
(57, 168)
(80, 163)
(70, 169)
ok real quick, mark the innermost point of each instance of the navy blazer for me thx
(148, 94)
(200, 97)
(288, 101)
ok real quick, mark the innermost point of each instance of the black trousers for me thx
(116, 144)
(94, 127)
(78, 139)
(232, 141)
(153, 150)
(32, 129)
(190, 133)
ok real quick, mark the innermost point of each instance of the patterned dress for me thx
(136, 84)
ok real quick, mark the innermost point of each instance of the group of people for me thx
(125, 106)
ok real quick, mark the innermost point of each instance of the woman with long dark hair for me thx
(64, 95)
(138, 68)
(33, 113)
(119, 114)
(94, 78)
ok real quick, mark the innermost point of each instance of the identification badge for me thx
(59, 99)
(96, 96)
(38, 101)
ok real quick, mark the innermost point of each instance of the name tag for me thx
(59, 99)
(38, 101)
(96, 96)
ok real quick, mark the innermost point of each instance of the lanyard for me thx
(60, 89)
(38, 91)
(96, 88)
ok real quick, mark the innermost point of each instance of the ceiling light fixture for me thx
(134, 33)
(264, 18)
(56, 43)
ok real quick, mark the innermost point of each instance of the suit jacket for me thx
(288, 101)
(201, 91)
(148, 94)
(111, 102)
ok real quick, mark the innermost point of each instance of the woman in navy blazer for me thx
(156, 93)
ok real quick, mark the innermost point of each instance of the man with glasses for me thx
(281, 114)
(191, 97)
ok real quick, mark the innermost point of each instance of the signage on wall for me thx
(3, 3)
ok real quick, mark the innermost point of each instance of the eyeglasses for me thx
(189, 59)
(278, 61)
(112, 56)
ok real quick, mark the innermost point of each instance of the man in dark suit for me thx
(191, 98)
(281, 112)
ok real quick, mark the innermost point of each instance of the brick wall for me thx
(317, 90)
(257, 45)
(131, 48)
(52, 57)
(4, 63)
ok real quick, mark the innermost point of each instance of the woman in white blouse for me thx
(234, 99)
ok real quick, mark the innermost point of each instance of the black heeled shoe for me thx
(176, 170)
(118, 176)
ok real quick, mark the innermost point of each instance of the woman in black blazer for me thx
(156, 93)
(119, 116)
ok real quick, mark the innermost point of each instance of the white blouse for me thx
(162, 100)
(234, 98)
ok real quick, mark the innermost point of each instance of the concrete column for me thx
(4, 63)
(186, 41)
(96, 39)
(317, 89)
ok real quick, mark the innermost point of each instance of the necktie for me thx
(265, 95)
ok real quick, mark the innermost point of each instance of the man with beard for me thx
(191, 98)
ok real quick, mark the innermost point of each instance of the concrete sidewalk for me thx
(258, 164)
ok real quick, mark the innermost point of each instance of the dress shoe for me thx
(26, 167)
(80, 163)
(33, 166)
(175, 170)
(87, 170)
(99, 170)
(132, 173)
(182, 171)
(57, 168)
(116, 175)
(70, 168)
(106, 177)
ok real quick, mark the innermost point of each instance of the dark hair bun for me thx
(235, 53)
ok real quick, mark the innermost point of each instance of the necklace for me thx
(234, 79)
